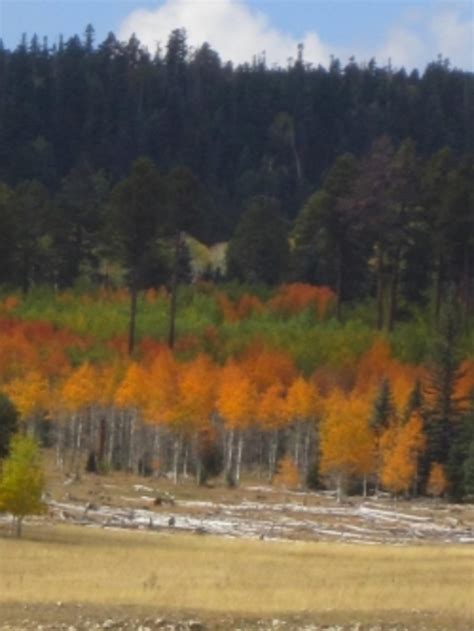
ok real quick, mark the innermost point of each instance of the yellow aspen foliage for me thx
(271, 409)
(30, 394)
(80, 389)
(401, 386)
(401, 445)
(346, 440)
(236, 396)
(108, 382)
(266, 367)
(373, 367)
(22, 481)
(287, 474)
(197, 392)
(132, 390)
(437, 481)
(162, 389)
(302, 400)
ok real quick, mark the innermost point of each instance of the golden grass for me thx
(207, 574)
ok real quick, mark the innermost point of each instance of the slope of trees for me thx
(240, 397)
(244, 131)
(341, 347)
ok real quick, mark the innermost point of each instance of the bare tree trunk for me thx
(18, 526)
(296, 450)
(60, 444)
(240, 446)
(156, 446)
(339, 488)
(79, 444)
(102, 440)
(132, 460)
(176, 454)
(186, 459)
(112, 438)
(307, 440)
(364, 486)
(229, 454)
(272, 454)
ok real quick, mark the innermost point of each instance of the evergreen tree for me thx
(185, 213)
(8, 423)
(328, 242)
(258, 251)
(383, 407)
(137, 206)
(443, 411)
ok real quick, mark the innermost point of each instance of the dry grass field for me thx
(212, 576)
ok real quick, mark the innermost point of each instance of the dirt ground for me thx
(254, 510)
(118, 503)
(80, 617)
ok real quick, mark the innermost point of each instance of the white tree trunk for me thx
(240, 447)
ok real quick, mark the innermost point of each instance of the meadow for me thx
(162, 574)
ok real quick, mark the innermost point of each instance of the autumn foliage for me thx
(214, 399)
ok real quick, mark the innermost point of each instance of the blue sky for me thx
(409, 33)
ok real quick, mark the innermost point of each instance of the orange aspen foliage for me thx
(132, 389)
(287, 474)
(244, 307)
(401, 446)
(236, 396)
(402, 380)
(346, 440)
(16, 353)
(10, 303)
(162, 389)
(302, 400)
(373, 367)
(272, 410)
(266, 366)
(465, 384)
(295, 297)
(437, 481)
(197, 392)
(149, 349)
(80, 389)
(151, 296)
(108, 381)
(30, 394)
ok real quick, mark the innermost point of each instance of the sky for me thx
(406, 33)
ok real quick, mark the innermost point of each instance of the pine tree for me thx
(383, 407)
(8, 423)
(443, 411)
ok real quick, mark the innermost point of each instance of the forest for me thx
(330, 342)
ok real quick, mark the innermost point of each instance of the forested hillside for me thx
(242, 130)
(334, 344)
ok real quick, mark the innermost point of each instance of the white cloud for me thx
(402, 47)
(238, 33)
(454, 37)
(233, 29)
